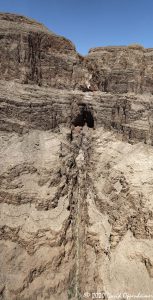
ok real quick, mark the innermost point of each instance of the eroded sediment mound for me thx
(76, 167)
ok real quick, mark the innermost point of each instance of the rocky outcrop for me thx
(76, 167)
(30, 53)
(121, 69)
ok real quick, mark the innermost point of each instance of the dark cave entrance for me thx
(84, 117)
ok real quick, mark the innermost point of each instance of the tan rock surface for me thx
(76, 167)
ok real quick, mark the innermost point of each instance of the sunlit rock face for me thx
(76, 167)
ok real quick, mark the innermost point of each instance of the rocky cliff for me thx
(76, 167)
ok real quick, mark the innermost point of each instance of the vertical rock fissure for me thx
(81, 208)
(77, 247)
(77, 161)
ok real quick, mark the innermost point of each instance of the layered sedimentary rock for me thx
(76, 167)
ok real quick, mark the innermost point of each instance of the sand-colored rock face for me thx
(76, 168)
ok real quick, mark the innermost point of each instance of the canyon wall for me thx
(76, 167)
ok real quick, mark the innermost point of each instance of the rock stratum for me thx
(76, 167)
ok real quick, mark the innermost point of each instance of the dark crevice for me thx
(85, 117)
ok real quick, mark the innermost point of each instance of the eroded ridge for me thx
(82, 203)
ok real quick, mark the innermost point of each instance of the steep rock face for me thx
(76, 167)
(29, 106)
(31, 53)
(121, 69)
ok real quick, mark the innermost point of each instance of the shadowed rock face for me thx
(32, 54)
(76, 167)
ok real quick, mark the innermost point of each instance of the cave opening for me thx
(84, 117)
